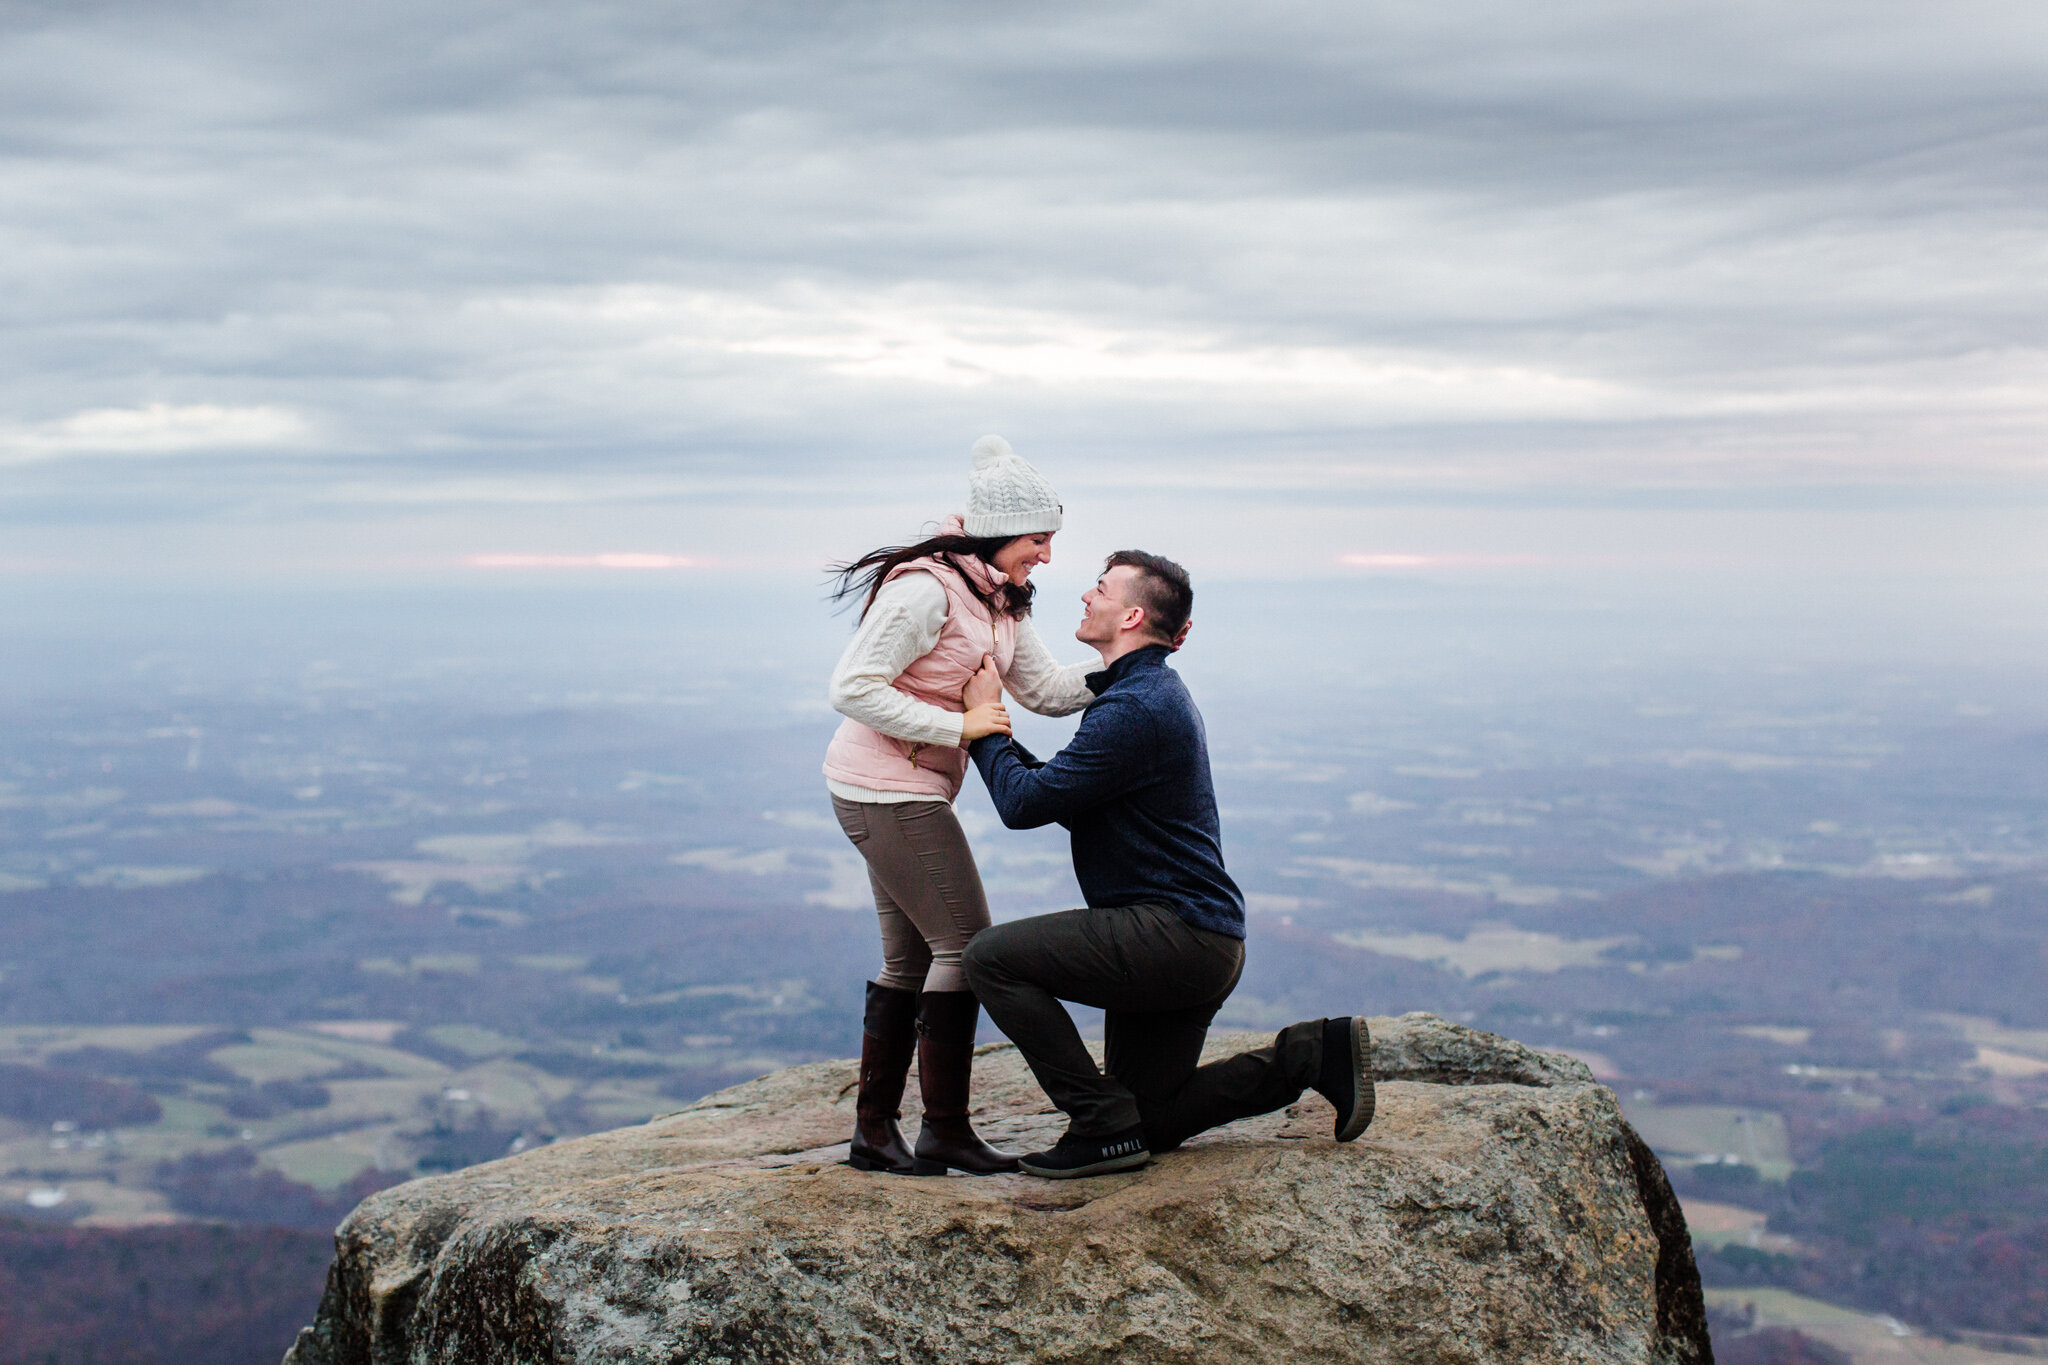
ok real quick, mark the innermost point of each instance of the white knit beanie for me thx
(1007, 497)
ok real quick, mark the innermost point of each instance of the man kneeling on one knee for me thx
(1160, 945)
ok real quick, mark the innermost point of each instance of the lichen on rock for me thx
(1498, 1210)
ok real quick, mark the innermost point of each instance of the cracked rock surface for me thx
(1499, 1209)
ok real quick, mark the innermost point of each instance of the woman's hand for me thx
(993, 719)
(984, 688)
(983, 700)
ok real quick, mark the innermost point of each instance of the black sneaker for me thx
(1345, 1079)
(1072, 1156)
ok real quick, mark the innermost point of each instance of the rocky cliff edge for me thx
(1499, 1209)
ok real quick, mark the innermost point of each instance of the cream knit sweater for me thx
(900, 628)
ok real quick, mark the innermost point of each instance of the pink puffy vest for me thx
(863, 757)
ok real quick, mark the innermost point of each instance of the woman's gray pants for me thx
(927, 889)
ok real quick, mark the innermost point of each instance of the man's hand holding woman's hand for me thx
(983, 700)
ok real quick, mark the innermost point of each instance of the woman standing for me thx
(935, 613)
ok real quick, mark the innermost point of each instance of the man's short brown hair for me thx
(1161, 587)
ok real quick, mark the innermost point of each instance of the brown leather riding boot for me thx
(945, 1061)
(887, 1041)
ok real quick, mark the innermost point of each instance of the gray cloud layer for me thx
(269, 261)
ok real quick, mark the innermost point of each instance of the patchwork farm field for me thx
(113, 1126)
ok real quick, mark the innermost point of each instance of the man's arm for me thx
(1110, 755)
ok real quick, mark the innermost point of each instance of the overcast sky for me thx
(382, 286)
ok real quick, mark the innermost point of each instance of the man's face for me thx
(1106, 608)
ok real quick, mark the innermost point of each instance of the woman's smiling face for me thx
(1016, 560)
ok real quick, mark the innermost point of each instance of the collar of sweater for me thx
(1145, 656)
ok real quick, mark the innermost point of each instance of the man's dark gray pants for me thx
(1159, 981)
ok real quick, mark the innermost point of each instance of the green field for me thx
(1870, 1339)
(385, 1108)
(1757, 1137)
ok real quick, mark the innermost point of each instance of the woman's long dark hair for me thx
(864, 576)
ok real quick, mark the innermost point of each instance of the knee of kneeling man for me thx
(976, 957)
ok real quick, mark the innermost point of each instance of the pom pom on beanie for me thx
(1006, 496)
(989, 449)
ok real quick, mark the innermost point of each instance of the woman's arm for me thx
(1039, 683)
(899, 629)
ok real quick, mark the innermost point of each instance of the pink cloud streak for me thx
(604, 561)
(1412, 561)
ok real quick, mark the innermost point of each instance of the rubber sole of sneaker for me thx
(1364, 1100)
(1128, 1161)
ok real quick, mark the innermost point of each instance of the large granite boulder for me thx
(1498, 1209)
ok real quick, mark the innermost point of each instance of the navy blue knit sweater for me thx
(1134, 792)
